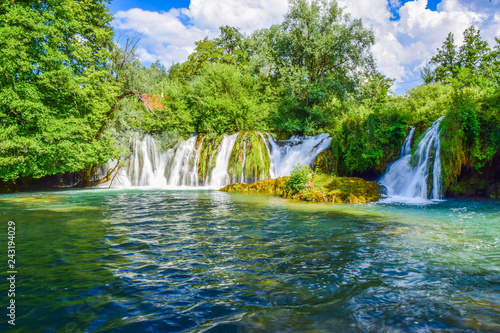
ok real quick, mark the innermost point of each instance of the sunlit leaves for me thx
(54, 92)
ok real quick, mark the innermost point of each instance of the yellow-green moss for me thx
(250, 156)
(322, 188)
(273, 186)
(209, 145)
(325, 162)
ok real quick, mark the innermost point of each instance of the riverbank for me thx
(320, 188)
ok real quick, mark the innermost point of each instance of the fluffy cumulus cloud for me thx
(163, 35)
(248, 15)
(170, 36)
(404, 44)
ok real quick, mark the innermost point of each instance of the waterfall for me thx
(408, 177)
(220, 177)
(148, 166)
(180, 166)
(406, 147)
(286, 154)
(183, 170)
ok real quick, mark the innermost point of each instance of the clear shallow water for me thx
(206, 261)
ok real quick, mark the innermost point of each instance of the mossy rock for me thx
(323, 188)
(199, 140)
(208, 154)
(484, 183)
(249, 159)
(283, 135)
(272, 186)
(325, 162)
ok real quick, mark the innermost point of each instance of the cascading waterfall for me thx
(148, 166)
(287, 153)
(220, 176)
(406, 147)
(179, 166)
(183, 168)
(408, 177)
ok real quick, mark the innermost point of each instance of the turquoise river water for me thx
(207, 261)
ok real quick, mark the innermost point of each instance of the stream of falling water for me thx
(148, 166)
(405, 182)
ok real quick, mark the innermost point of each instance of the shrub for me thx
(298, 178)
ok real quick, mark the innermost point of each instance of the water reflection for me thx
(218, 262)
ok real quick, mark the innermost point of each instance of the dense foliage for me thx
(55, 87)
(471, 129)
(286, 78)
(67, 93)
(299, 177)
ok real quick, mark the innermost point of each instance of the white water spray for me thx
(183, 169)
(220, 176)
(403, 180)
(147, 166)
(288, 153)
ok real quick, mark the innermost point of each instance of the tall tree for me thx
(473, 52)
(316, 54)
(56, 89)
(319, 38)
(446, 60)
(227, 48)
(449, 63)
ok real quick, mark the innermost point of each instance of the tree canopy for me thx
(55, 86)
(69, 95)
(474, 57)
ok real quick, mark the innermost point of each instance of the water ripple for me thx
(163, 261)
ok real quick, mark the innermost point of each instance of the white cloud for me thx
(163, 35)
(248, 15)
(401, 49)
(404, 46)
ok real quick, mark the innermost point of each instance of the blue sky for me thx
(407, 32)
(151, 5)
(395, 5)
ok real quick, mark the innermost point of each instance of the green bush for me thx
(470, 134)
(298, 178)
(369, 144)
(226, 99)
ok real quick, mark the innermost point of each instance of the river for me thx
(144, 260)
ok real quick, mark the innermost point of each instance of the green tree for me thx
(298, 179)
(462, 66)
(319, 38)
(446, 60)
(225, 99)
(474, 51)
(56, 90)
(316, 54)
(428, 75)
(228, 48)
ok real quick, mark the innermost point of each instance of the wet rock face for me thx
(208, 153)
(483, 183)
